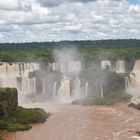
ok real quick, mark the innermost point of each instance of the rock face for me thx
(3, 111)
(8, 98)
(113, 82)
(135, 75)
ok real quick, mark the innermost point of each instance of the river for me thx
(70, 122)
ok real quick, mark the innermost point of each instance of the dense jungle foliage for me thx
(111, 49)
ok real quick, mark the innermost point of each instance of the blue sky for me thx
(134, 1)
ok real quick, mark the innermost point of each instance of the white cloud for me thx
(134, 9)
(53, 3)
(9, 4)
(45, 20)
(16, 4)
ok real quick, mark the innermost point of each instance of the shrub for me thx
(27, 116)
(136, 106)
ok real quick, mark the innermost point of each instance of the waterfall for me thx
(127, 84)
(86, 91)
(70, 88)
(25, 85)
(55, 89)
(18, 68)
(134, 89)
(120, 66)
(16, 74)
(101, 90)
(76, 88)
(44, 86)
(33, 85)
(105, 64)
(136, 65)
(135, 75)
(63, 68)
(64, 89)
(19, 75)
(55, 67)
(74, 67)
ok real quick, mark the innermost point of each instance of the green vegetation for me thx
(1, 138)
(9, 95)
(112, 49)
(136, 106)
(19, 118)
(15, 118)
(109, 99)
(113, 88)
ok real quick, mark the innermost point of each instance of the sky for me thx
(55, 20)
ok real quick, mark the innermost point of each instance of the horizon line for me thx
(53, 41)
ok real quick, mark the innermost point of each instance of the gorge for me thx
(55, 86)
(59, 80)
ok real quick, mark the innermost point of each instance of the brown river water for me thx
(69, 122)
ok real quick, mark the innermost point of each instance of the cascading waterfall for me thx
(66, 68)
(70, 88)
(55, 89)
(135, 75)
(134, 85)
(19, 67)
(18, 75)
(101, 90)
(76, 87)
(64, 89)
(54, 66)
(86, 91)
(74, 67)
(44, 87)
(127, 84)
(63, 68)
(105, 64)
(120, 66)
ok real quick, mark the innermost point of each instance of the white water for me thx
(64, 89)
(105, 64)
(17, 75)
(133, 87)
(135, 75)
(120, 66)
(127, 84)
(86, 93)
(101, 89)
(76, 88)
(70, 88)
(55, 89)
(44, 85)
(72, 67)
(63, 68)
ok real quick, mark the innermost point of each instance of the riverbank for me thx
(14, 117)
(70, 122)
(20, 119)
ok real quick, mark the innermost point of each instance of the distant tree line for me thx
(99, 49)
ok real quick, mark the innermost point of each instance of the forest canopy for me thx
(36, 51)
